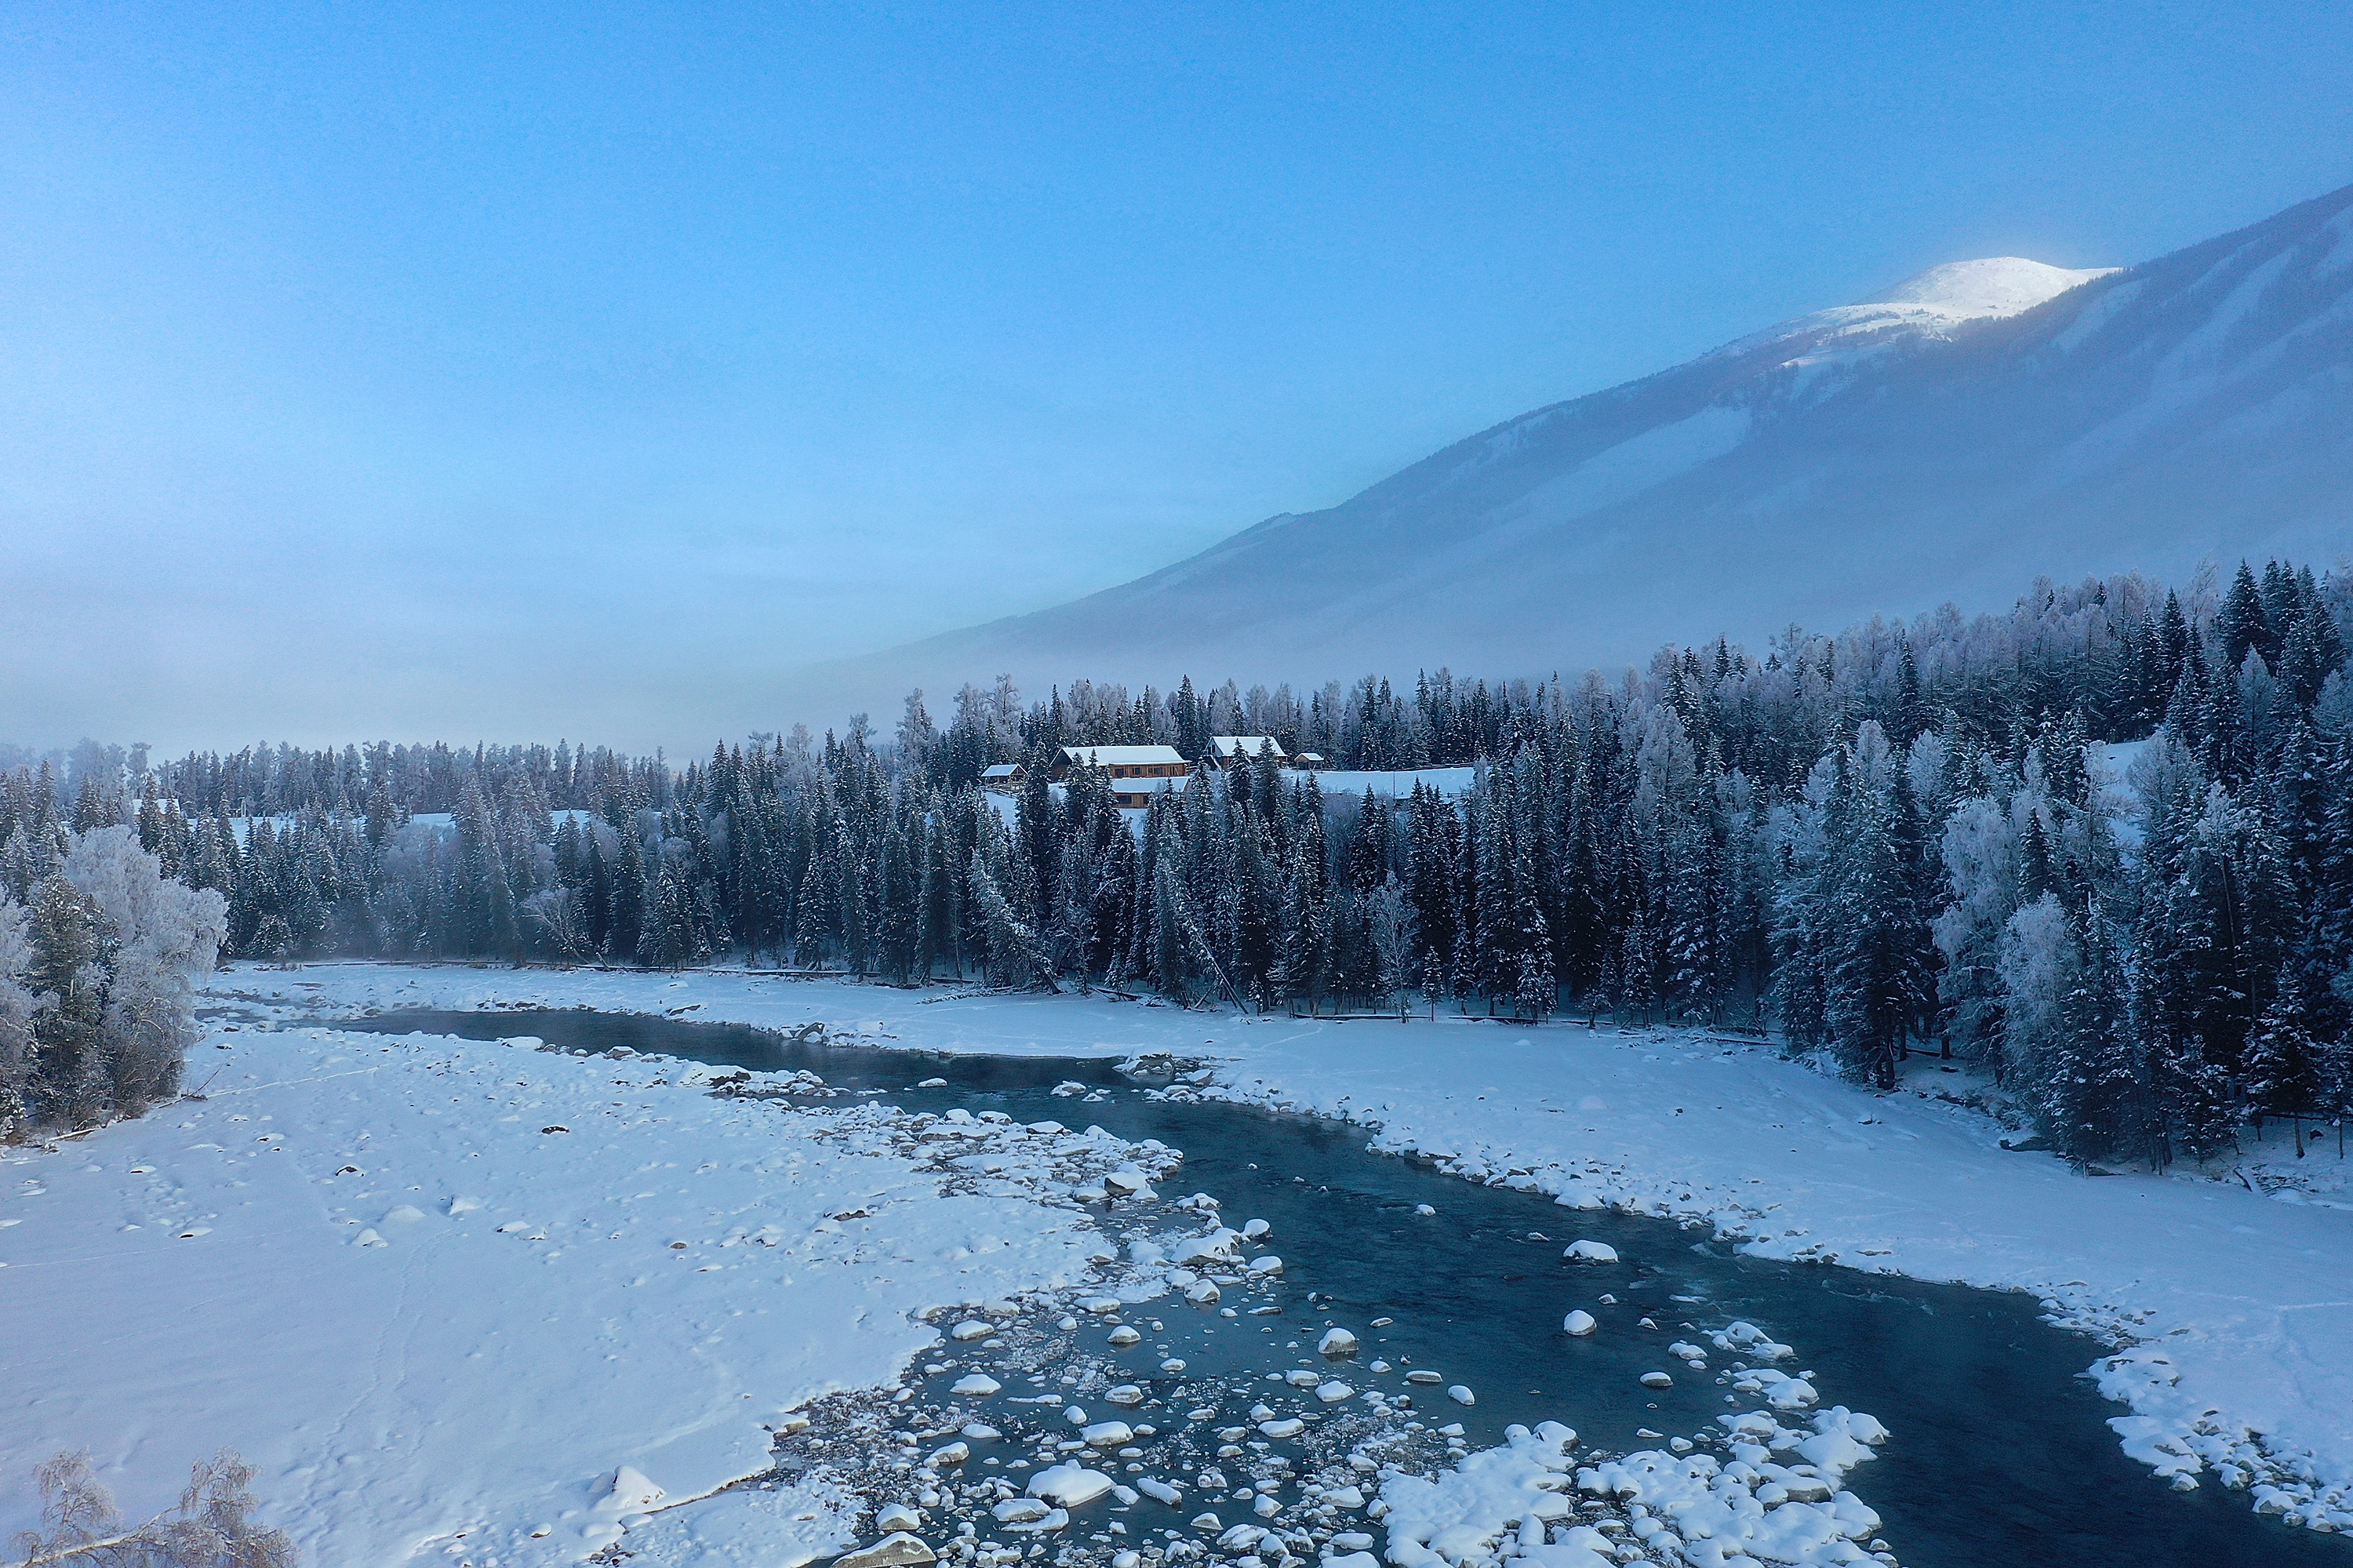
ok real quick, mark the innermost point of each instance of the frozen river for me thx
(1999, 1454)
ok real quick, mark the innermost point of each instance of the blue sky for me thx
(526, 371)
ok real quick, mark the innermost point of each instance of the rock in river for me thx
(896, 1550)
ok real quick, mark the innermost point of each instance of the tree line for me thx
(1908, 836)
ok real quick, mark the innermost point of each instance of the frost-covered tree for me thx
(98, 977)
(212, 1527)
(1392, 921)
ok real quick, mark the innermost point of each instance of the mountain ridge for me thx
(1889, 455)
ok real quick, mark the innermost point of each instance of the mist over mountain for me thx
(1979, 423)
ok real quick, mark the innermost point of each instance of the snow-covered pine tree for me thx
(2283, 1069)
(1877, 977)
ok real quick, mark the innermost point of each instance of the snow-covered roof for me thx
(1001, 770)
(1123, 756)
(1243, 744)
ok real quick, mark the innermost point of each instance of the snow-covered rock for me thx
(899, 1550)
(1069, 1485)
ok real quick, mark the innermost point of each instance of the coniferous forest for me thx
(2101, 846)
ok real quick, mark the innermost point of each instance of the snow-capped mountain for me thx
(1977, 425)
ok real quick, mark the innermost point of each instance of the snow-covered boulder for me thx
(896, 1550)
(1069, 1485)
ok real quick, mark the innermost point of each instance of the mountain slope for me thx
(1987, 421)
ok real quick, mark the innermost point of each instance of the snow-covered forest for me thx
(1903, 837)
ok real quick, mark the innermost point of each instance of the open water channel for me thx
(1999, 1454)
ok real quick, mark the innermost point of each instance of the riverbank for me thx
(2234, 1327)
(441, 1293)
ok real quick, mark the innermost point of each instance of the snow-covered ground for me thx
(439, 1292)
(424, 1360)
(1450, 782)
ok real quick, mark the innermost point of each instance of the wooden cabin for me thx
(1125, 762)
(1232, 751)
(1005, 779)
(1134, 773)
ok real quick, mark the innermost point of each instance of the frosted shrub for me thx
(211, 1527)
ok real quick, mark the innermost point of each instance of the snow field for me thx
(443, 1293)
